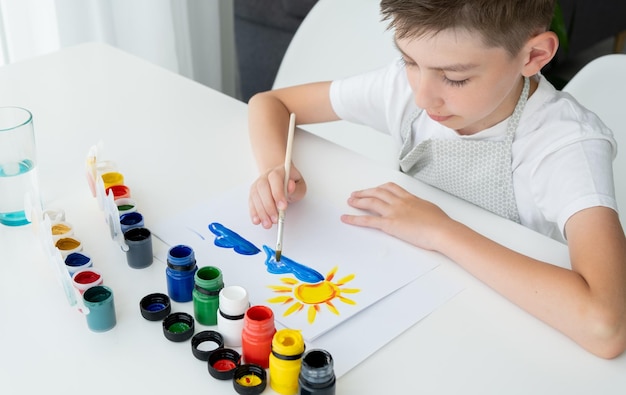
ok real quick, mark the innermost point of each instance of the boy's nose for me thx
(426, 93)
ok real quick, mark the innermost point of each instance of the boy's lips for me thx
(439, 118)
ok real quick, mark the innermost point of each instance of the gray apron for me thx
(477, 171)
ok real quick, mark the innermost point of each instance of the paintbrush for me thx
(281, 213)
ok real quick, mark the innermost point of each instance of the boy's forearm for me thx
(268, 121)
(563, 298)
(269, 118)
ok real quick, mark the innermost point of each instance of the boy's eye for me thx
(407, 62)
(455, 83)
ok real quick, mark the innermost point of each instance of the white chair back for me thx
(601, 87)
(340, 38)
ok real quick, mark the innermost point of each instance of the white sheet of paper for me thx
(354, 340)
(315, 237)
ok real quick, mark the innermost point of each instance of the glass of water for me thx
(19, 188)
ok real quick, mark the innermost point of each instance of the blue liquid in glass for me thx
(16, 180)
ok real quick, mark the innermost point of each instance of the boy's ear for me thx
(539, 50)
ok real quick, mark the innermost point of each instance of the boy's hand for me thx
(267, 194)
(399, 213)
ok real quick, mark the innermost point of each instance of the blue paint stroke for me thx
(226, 238)
(286, 265)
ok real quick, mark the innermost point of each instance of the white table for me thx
(166, 133)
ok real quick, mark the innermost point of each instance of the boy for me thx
(474, 117)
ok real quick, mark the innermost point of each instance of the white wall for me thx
(194, 38)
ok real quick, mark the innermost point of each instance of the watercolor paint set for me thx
(81, 282)
(126, 224)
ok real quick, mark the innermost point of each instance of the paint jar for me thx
(233, 303)
(68, 245)
(119, 191)
(285, 361)
(99, 301)
(19, 187)
(61, 229)
(85, 279)
(249, 379)
(139, 241)
(77, 261)
(180, 271)
(54, 215)
(93, 169)
(126, 205)
(112, 178)
(317, 376)
(208, 284)
(257, 334)
(131, 220)
(105, 166)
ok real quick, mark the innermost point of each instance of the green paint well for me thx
(178, 327)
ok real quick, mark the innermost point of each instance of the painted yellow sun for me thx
(313, 295)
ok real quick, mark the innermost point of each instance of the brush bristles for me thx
(278, 254)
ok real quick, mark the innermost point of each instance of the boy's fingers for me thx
(296, 191)
(261, 205)
(257, 214)
(277, 185)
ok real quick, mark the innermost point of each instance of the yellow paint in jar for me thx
(112, 178)
(67, 245)
(249, 380)
(60, 229)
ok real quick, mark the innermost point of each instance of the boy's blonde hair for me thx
(502, 23)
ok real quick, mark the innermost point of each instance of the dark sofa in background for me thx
(590, 21)
(263, 31)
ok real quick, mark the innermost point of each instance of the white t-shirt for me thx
(562, 153)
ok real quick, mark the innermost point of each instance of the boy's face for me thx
(460, 82)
